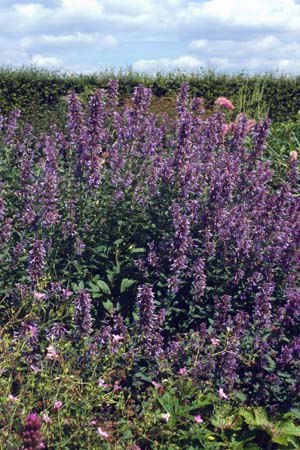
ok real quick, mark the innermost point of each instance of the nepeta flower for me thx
(36, 261)
(145, 302)
(82, 314)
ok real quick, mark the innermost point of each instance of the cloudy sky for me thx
(149, 35)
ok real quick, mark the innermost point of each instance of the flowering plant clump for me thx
(136, 248)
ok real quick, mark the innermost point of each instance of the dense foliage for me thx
(158, 256)
(40, 93)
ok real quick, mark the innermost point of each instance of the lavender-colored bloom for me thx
(11, 126)
(199, 282)
(2, 208)
(82, 313)
(6, 231)
(31, 435)
(145, 303)
(263, 305)
(57, 331)
(37, 261)
(49, 185)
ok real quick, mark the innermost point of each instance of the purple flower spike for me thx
(31, 435)
(37, 261)
(82, 316)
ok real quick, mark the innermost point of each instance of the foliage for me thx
(40, 93)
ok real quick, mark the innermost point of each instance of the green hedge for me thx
(39, 93)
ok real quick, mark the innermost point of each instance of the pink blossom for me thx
(39, 295)
(35, 368)
(182, 371)
(58, 405)
(198, 419)
(215, 341)
(46, 418)
(102, 383)
(157, 385)
(13, 399)
(94, 422)
(222, 394)
(293, 155)
(117, 337)
(223, 101)
(102, 433)
(51, 353)
(117, 387)
(166, 416)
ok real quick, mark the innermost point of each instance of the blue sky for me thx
(150, 35)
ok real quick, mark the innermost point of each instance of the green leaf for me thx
(126, 283)
(108, 305)
(103, 287)
(137, 250)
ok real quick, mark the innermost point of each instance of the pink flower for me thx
(117, 337)
(293, 155)
(13, 399)
(51, 353)
(223, 101)
(94, 422)
(46, 418)
(198, 419)
(57, 405)
(166, 416)
(102, 383)
(39, 295)
(35, 368)
(102, 433)
(215, 341)
(182, 371)
(157, 385)
(222, 394)
(117, 387)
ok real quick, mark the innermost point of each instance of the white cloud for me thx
(149, 34)
(45, 61)
(186, 62)
(280, 14)
(105, 41)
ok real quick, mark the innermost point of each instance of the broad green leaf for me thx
(103, 287)
(125, 284)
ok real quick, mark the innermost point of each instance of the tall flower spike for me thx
(145, 302)
(31, 435)
(37, 261)
(82, 315)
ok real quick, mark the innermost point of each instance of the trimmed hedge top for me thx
(35, 90)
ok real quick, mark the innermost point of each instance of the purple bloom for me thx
(36, 261)
(82, 314)
(31, 435)
(145, 302)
